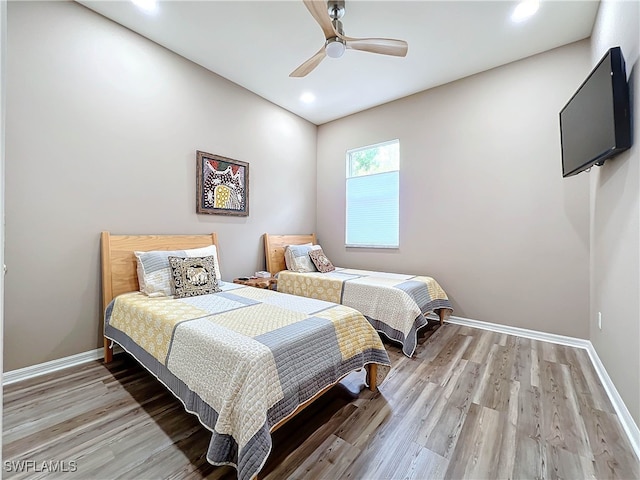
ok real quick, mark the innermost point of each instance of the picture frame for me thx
(222, 185)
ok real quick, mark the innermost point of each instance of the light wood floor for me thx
(471, 405)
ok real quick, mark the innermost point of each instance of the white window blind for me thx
(373, 192)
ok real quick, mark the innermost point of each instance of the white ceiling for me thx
(256, 44)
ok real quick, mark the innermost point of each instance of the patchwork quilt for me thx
(243, 359)
(395, 304)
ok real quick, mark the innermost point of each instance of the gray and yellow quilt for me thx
(243, 359)
(395, 304)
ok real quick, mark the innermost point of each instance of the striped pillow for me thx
(297, 258)
(154, 272)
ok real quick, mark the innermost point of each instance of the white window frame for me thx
(395, 242)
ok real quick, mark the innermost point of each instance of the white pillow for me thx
(154, 272)
(299, 260)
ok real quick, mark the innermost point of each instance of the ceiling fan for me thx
(328, 15)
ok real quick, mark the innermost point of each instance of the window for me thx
(373, 191)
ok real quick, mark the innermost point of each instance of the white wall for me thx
(484, 207)
(3, 56)
(102, 130)
(615, 221)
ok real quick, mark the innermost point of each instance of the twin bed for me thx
(395, 304)
(243, 360)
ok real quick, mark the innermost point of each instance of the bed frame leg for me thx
(442, 314)
(108, 351)
(372, 376)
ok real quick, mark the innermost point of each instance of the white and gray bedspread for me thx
(395, 304)
(243, 359)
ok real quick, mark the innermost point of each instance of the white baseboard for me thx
(54, 365)
(521, 332)
(628, 424)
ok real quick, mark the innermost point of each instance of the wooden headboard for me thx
(119, 268)
(274, 248)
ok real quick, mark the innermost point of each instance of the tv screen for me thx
(595, 124)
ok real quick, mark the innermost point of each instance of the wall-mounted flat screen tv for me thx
(595, 124)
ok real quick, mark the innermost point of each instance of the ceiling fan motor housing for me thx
(335, 9)
(334, 47)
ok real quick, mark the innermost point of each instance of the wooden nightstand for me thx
(269, 282)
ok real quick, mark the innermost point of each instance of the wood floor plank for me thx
(495, 384)
(293, 445)
(424, 464)
(606, 438)
(565, 465)
(586, 381)
(530, 450)
(471, 404)
(482, 341)
(521, 371)
(432, 347)
(477, 453)
(563, 426)
(547, 352)
(442, 367)
(509, 436)
(394, 442)
(439, 432)
(534, 368)
(94, 435)
(410, 461)
(329, 461)
(68, 406)
(67, 425)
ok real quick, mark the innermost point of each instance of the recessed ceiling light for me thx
(149, 6)
(307, 97)
(524, 10)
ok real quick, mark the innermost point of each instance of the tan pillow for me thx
(321, 262)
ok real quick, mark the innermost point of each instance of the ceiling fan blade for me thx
(385, 46)
(309, 65)
(318, 10)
